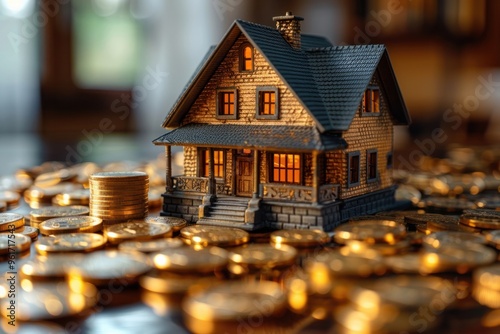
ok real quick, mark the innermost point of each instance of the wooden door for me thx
(244, 176)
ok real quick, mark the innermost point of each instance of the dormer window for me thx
(246, 58)
(371, 101)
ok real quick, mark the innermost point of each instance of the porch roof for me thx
(268, 137)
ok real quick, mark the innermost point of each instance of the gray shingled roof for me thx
(328, 81)
(269, 137)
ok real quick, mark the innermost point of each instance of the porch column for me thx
(316, 173)
(168, 170)
(211, 174)
(256, 173)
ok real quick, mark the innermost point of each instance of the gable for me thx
(227, 76)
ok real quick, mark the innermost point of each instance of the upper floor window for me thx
(287, 168)
(371, 101)
(227, 104)
(246, 58)
(218, 163)
(267, 103)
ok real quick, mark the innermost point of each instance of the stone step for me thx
(230, 218)
(216, 211)
(217, 206)
(225, 223)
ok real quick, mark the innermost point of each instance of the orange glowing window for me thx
(267, 103)
(246, 58)
(371, 101)
(286, 168)
(226, 103)
(218, 163)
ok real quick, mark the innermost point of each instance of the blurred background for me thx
(92, 80)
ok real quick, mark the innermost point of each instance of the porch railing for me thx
(327, 193)
(197, 185)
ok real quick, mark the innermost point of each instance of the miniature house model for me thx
(284, 130)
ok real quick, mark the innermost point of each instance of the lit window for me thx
(371, 165)
(353, 169)
(246, 58)
(286, 168)
(371, 101)
(226, 104)
(218, 163)
(267, 105)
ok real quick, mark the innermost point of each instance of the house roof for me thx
(328, 80)
(269, 137)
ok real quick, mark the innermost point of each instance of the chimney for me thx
(289, 28)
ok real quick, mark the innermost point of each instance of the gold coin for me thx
(3, 206)
(448, 205)
(14, 243)
(214, 236)
(345, 262)
(493, 238)
(132, 207)
(258, 256)
(189, 260)
(398, 247)
(71, 242)
(10, 221)
(405, 291)
(150, 246)
(370, 231)
(53, 178)
(443, 238)
(170, 283)
(57, 211)
(480, 221)
(51, 300)
(455, 258)
(176, 223)
(236, 300)
(46, 194)
(488, 277)
(28, 231)
(404, 263)
(10, 197)
(119, 201)
(105, 266)
(76, 197)
(118, 175)
(53, 267)
(300, 238)
(121, 216)
(70, 225)
(137, 231)
(450, 225)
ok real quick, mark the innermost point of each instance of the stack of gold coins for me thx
(38, 216)
(119, 196)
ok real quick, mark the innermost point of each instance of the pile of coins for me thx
(119, 196)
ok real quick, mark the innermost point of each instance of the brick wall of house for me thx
(190, 161)
(228, 75)
(365, 133)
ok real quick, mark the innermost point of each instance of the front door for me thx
(244, 176)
